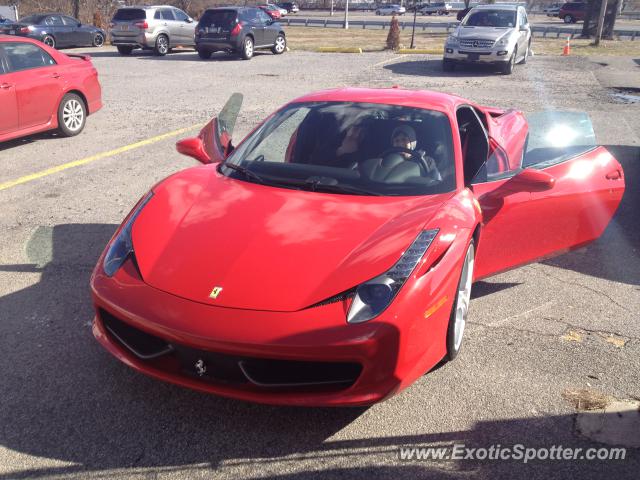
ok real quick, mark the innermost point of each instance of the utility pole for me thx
(603, 11)
(413, 30)
(346, 14)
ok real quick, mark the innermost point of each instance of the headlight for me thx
(122, 245)
(452, 40)
(502, 42)
(374, 296)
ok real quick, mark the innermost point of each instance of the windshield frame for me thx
(487, 11)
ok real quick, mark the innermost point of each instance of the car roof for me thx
(497, 6)
(439, 101)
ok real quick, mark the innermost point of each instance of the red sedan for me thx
(44, 89)
(273, 11)
(328, 258)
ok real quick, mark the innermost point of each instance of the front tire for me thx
(460, 309)
(161, 47)
(280, 46)
(507, 68)
(72, 115)
(568, 19)
(526, 53)
(247, 48)
(98, 40)
(448, 65)
(49, 41)
(204, 54)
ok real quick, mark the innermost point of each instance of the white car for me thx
(439, 8)
(391, 10)
(490, 34)
(553, 10)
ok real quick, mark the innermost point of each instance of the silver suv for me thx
(495, 34)
(158, 28)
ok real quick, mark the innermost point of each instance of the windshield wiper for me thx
(244, 171)
(340, 188)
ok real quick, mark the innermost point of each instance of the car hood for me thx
(484, 33)
(269, 248)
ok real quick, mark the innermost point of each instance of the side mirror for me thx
(194, 147)
(524, 28)
(189, 20)
(531, 180)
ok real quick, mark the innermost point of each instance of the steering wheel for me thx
(418, 155)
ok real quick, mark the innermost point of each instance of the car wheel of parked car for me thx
(247, 48)
(507, 68)
(378, 12)
(49, 41)
(460, 310)
(526, 53)
(72, 115)
(204, 54)
(162, 45)
(448, 65)
(98, 40)
(568, 19)
(125, 50)
(280, 45)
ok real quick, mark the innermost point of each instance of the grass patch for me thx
(312, 38)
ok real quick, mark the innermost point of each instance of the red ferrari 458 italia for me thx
(44, 89)
(328, 258)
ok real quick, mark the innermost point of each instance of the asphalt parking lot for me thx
(536, 334)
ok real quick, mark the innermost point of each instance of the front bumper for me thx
(369, 354)
(470, 55)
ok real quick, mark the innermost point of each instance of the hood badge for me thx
(215, 292)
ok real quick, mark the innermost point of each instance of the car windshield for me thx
(490, 18)
(351, 148)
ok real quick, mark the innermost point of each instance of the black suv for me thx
(238, 30)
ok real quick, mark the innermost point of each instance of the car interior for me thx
(475, 145)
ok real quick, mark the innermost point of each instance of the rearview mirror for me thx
(530, 180)
(193, 147)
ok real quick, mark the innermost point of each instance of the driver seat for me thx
(392, 168)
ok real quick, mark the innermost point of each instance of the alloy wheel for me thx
(280, 44)
(464, 297)
(73, 115)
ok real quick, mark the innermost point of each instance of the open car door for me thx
(562, 194)
(213, 143)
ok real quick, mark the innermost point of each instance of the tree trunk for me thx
(610, 19)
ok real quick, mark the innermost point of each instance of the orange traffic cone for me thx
(567, 47)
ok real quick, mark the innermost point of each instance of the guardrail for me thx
(536, 30)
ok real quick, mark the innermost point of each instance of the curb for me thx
(435, 51)
(339, 50)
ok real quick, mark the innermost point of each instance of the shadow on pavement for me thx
(64, 398)
(433, 68)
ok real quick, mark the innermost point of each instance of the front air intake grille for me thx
(141, 344)
(222, 368)
(475, 43)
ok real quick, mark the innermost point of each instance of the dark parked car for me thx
(4, 20)
(573, 12)
(238, 30)
(56, 30)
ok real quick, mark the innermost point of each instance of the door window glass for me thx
(180, 15)
(54, 21)
(263, 17)
(72, 22)
(167, 14)
(25, 56)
